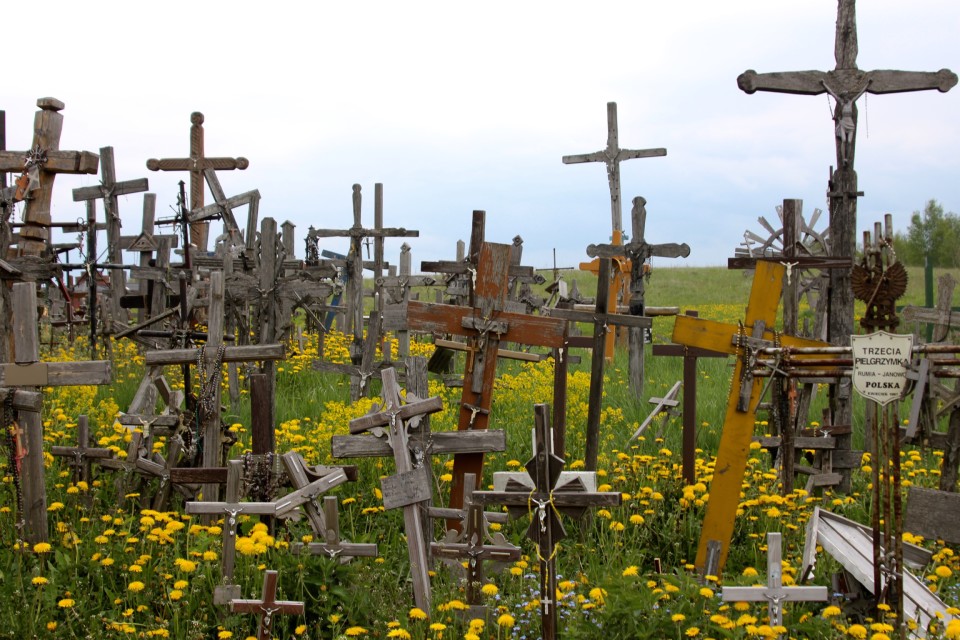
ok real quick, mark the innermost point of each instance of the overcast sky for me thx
(457, 106)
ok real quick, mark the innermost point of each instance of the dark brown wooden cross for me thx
(40, 165)
(196, 164)
(267, 607)
(411, 485)
(638, 251)
(539, 495)
(612, 156)
(601, 318)
(109, 190)
(485, 324)
(846, 84)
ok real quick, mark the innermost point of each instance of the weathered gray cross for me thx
(267, 607)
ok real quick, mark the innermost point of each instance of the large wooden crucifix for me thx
(846, 84)
(209, 358)
(757, 330)
(40, 165)
(638, 251)
(612, 156)
(196, 164)
(485, 324)
(538, 493)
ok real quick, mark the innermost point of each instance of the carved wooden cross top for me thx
(196, 164)
(774, 593)
(267, 607)
(612, 156)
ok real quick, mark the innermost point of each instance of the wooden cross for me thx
(109, 191)
(940, 317)
(690, 375)
(267, 607)
(212, 355)
(222, 208)
(665, 405)
(306, 492)
(475, 545)
(231, 508)
(775, 594)
(154, 251)
(738, 424)
(26, 370)
(638, 251)
(612, 156)
(196, 164)
(354, 270)
(540, 496)
(411, 485)
(846, 84)
(601, 318)
(79, 457)
(40, 165)
(485, 324)
(360, 373)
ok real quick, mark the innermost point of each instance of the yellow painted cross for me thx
(738, 424)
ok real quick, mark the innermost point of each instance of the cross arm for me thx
(231, 354)
(560, 499)
(630, 154)
(191, 164)
(407, 411)
(24, 400)
(808, 83)
(570, 315)
(58, 161)
(760, 593)
(119, 189)
(310, 492)
(440, 443)
(57, 374)
(245, 508)
(443, 318)
(888, 81)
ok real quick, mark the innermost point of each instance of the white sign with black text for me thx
(880, 362)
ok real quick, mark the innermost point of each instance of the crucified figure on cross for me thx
(845, 118)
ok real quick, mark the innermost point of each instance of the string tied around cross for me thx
(542, 517)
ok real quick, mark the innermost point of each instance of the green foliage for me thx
(931, 233)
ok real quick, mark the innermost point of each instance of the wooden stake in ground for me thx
(538, 494)
(267, 607)
(845, 84)
(39, 166)
(196, 164)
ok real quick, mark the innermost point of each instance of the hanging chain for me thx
(8, 423)
(208, 383)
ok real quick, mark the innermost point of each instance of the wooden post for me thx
(196, 164)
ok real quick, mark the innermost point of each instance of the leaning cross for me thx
(26, 370)
(775, 594)
(846, 83)
(612, 156)
(756, 331)
(538, 493)
(333, 546)
(41, 165)
(196, 164)
(267, 607)
(486, 324)
(638, 251)
(231, 509)
(222, 208)
(411, 485)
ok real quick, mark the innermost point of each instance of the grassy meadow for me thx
(114, 569)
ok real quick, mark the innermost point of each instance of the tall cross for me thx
(846, 84)
(774, 594)
(539, 494)
(486, 324)
(612, 156)
(638, 251)
(196, 164)
(757, 330)
(40, 165)
(267, 607)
